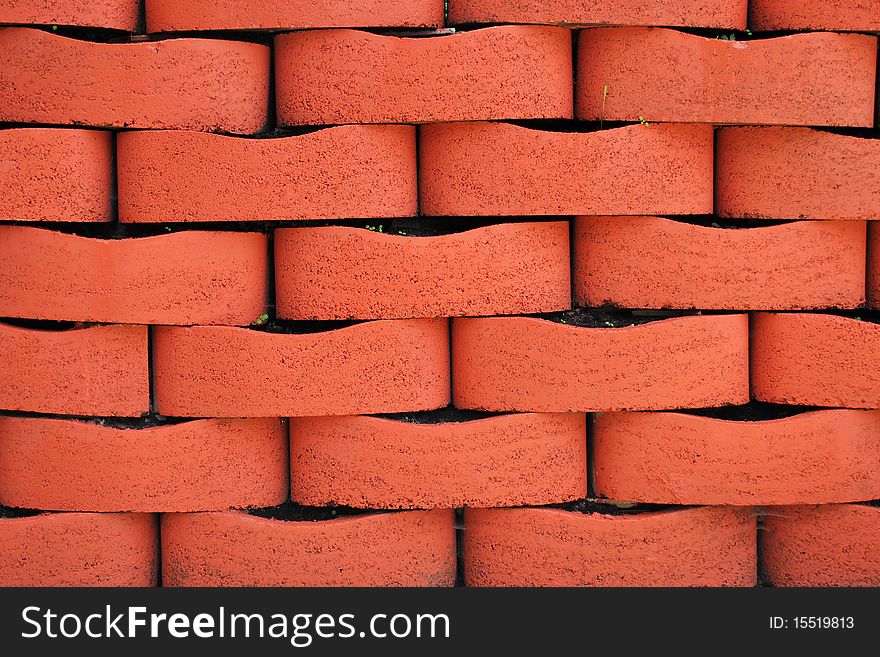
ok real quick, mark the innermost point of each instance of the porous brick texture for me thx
(426, 293)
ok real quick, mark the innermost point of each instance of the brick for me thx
(829, 545)
(498, 169)
(874, 265)
(858, 16)
(530, 364)
(110, 14)
(56, 175)
(190, 15)
(825, 456)
(508, 72)
(337, 173)
(411, 548)
(79, 549)
(551, 547)
(815, 360)
(372, 367)
(99, 370)
(341, 273)
(203, 465)
(666, 75)
(691, 13)
(504, 460)
(175, 278)
(174, 83)
(652, 262)
(796, 173)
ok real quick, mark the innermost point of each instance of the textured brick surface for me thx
(506, 460)
(796, 173)
(506, 72)
(180, 278)
(651, 262)
(412, 548)
(666, 75)
(342, 172)
(176, 83)
(551, 547)
(343, 273)
(113, 14)
(194, 466)
(673, 458)
(527, 364)
(56, 175)
(503, 169)
(845, 15)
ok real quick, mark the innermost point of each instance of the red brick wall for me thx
(283, 290)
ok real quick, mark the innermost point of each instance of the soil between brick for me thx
(292, 512)
(440, 416)
(11, 512)
(591, 506)
(754, 411)
(40, 324)
(611, 317)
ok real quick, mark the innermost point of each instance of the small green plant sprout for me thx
(562, 320)
(604, 98)
(728, 37)
(167, 229)
(644, 121)
(376, 229)
(54, 28)
(262, 319)
(609, 324)
(858, 319)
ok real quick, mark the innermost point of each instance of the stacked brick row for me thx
(276, 303)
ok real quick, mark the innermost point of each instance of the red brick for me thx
(691, 13)
(675, 458)
(796, 173)
(651, 262)
(504, 460)
(189, 15)
(815, 360)
(372, 367)
(468, 169)
(177, 83)
(100, 370)
(529, 364)
(666, 75)
(551, 547)
(79, 549)
(112, 14)
(337, 173)
(56, 175)
(874, 265)
(838, 15)
(203, 465)
(411, 548)
(178, 278)
(341, 273)
(508, 72)
(828, 545)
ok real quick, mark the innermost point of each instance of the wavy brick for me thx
(675, 458)
(529, 364)
(499, 169)
(666, 75)
(831, 15)
(343, 273)
(508, 72)
(337, 173)
(110, 14)
(828, 545)
(372, 367)
(100, 370)
(651, 262)
(505, 460)
(551, 547)
(204, 465)
(874, 265)
(79, 549)
(190, 15)
(796, 173)
(197, 84)
(411, 548)
(56, 175)
(715, 13)
(815, 360)
(178, 278)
